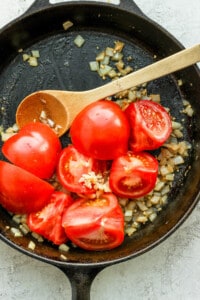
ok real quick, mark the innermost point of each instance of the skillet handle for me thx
(131, 6)
(128, 5)
(38, 4)
(81, 279)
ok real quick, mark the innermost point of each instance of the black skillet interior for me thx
(62, 65)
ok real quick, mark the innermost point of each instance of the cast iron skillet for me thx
(64, 66)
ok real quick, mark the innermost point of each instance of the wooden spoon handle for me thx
(158, 69)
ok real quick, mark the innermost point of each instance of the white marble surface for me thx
(169, 271)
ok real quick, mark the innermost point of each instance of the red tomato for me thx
(95, 224)
(35, 148)
(48, 221)
(22, 192)
(133, 175)
(150, 125)
(72, 166)
(101, 130)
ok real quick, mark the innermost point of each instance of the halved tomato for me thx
(22, 192)
(96, 224)
(133, 175)
(73, 166)
(150, 125)
(48, 221)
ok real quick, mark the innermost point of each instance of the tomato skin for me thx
(72, 165)
(101, 131)
(133, 175)
(48, 221)
(22, 192)
(150, 125)
(96, 224)
(35, 148)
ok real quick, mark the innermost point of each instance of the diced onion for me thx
(117, 56)
(16, 232)
(94, 66)
(63, 248)
(100, 56)
(35, 53)
(128, 213)
(106, 60)
(63, 257)
(33, 62)
(79, 41)
(109, 51)
(67, 25)
(25, 57)
(152, 217)
(31, 245)
(104, 70)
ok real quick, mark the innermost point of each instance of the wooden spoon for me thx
(63, 106)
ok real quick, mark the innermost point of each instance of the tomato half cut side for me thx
(48, 221)
(150, 125)
(22, 192)
(133, 175)
(35, 148)
(73, 166)
(95, 224)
